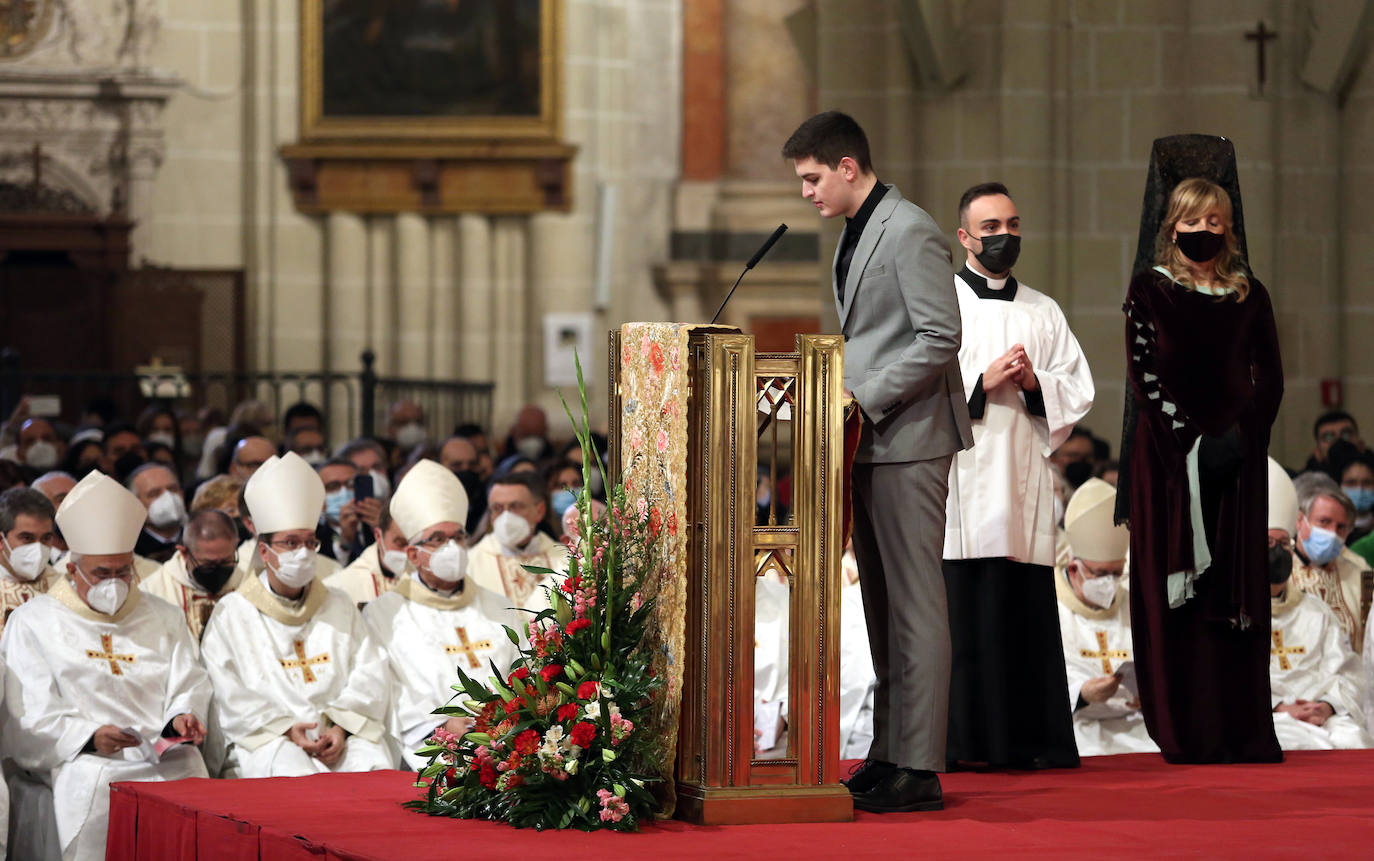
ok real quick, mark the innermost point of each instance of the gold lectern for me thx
(737, 402)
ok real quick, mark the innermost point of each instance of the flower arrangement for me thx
(554, 740)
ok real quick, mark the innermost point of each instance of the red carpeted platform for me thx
(1319, 804)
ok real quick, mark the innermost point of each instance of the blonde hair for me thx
(1192, 198)
(218, 492)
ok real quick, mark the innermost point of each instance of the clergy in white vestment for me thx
(772, 622)
(1322, 565)
(102, 682)
(1315, 678)
(379, 568)
(1095, 625)
(857, 678)
(26, 539)
(1028, 383)
(202, 571)
(435, 618)
(250, 562)
(1367, 684)
(300, 685)
(516, 506)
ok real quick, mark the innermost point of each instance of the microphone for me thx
(753, 261)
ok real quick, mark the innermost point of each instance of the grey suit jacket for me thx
(900, 320)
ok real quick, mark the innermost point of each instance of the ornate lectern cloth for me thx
(653, 463)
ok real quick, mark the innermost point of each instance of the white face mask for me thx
(54, 555)
(511, 530)
(410, 435)
(1100, 591)
(381, 488)
(450, 562)
(530, 446)
(295, 568)
(167, 510)
(41, 455)
(106, 596)
(314, 457)
(27, 561)
(164, 438)
(395, 561)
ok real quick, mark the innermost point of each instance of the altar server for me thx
(300, 685)
(1315, 677)
(102, 682)
(1095, 625)
(435, 617)
(1029, 383)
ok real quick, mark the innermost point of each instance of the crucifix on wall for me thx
(1261, 36)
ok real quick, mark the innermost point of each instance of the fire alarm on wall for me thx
(1331, 393)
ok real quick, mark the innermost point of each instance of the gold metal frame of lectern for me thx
(718, 779)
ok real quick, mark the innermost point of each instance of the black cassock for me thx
(1203, 370)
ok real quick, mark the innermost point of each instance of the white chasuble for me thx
(425, 636)
(496, 569)
(857, 679)
(70, 671)
(363, 579)
(14, 593)
(1096, 643)
(173, 584)
(772, 621)
(276, 663)
(1310, 659)
(1001, 493)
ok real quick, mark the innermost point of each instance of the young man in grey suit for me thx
(894, 293)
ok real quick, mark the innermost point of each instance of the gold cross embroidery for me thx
(1104, 653)
(1284, 651)
(468, 648)
(302, 663)
(107, 654)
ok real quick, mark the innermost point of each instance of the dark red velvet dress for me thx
(1203, 666)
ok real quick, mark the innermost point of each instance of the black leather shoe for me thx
(867, 775)
(903, 791)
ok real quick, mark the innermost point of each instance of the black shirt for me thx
(853, 229)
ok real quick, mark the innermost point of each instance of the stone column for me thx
(413, 292)
(381, 234)
(444, 331)
(476, 301)
(346, 278)
(510, 315)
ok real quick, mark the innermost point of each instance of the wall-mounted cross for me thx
(1261, 36)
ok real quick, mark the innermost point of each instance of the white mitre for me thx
(429, 494)
(1283, 500)
(100, 518)
(1089, 525)
(284, 493)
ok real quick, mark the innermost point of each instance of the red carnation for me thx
(570, 584)
(527, 742)
(578, 624)
(512, 706)
(514, 780)
(520, 673)
(551, 672)
(588, 690)
(488, 777)
(567, 711)
(582, 734)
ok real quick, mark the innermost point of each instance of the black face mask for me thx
(127, 463)
(1078, 472)
(1280, 565)
(1000, 252)
(212, 577)
(1200, 246)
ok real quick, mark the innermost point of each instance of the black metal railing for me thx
(359, 401)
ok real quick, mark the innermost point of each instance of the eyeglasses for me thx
(232, 560)
(519, 506)
(1098, 573)
(439, 539)
(1347, 434)
(289, 544)
(1285, 542)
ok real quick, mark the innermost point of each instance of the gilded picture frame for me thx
(421, 70)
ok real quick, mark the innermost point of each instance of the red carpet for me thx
(1317, 804)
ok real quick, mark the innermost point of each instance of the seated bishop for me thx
(1314, 675)
(516, 506)
(379, 568)
(203, 570)
(26, 539)
(102, 681)
(1095, 626)
(1322, 565)
(250, 562)
(436, 617)
(300, 685)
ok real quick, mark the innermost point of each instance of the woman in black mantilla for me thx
(1206, 380)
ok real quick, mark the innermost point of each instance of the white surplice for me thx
(71, 671)
(425, 636)
(1001, 493)
(1310, 659)
(1338, 585)
(363, 579)
(276, 663)
(857, 679)
(496, 569)
(173, 584)
(1096, 643)
(772, 621)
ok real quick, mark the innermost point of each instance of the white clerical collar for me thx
(293, 603)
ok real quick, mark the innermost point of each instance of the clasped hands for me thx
(1314, 712)
(1013, 365)
(327, 748)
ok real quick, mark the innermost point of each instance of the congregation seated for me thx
(1095, 625)
(203, 570)
(1322, 565)
(516, 508)
(102, 684)
(300, 686)
(1315, 677)
(345, 527)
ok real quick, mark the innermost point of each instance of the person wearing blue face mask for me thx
(338, 530)
(1357, 480)
(1324, 567)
